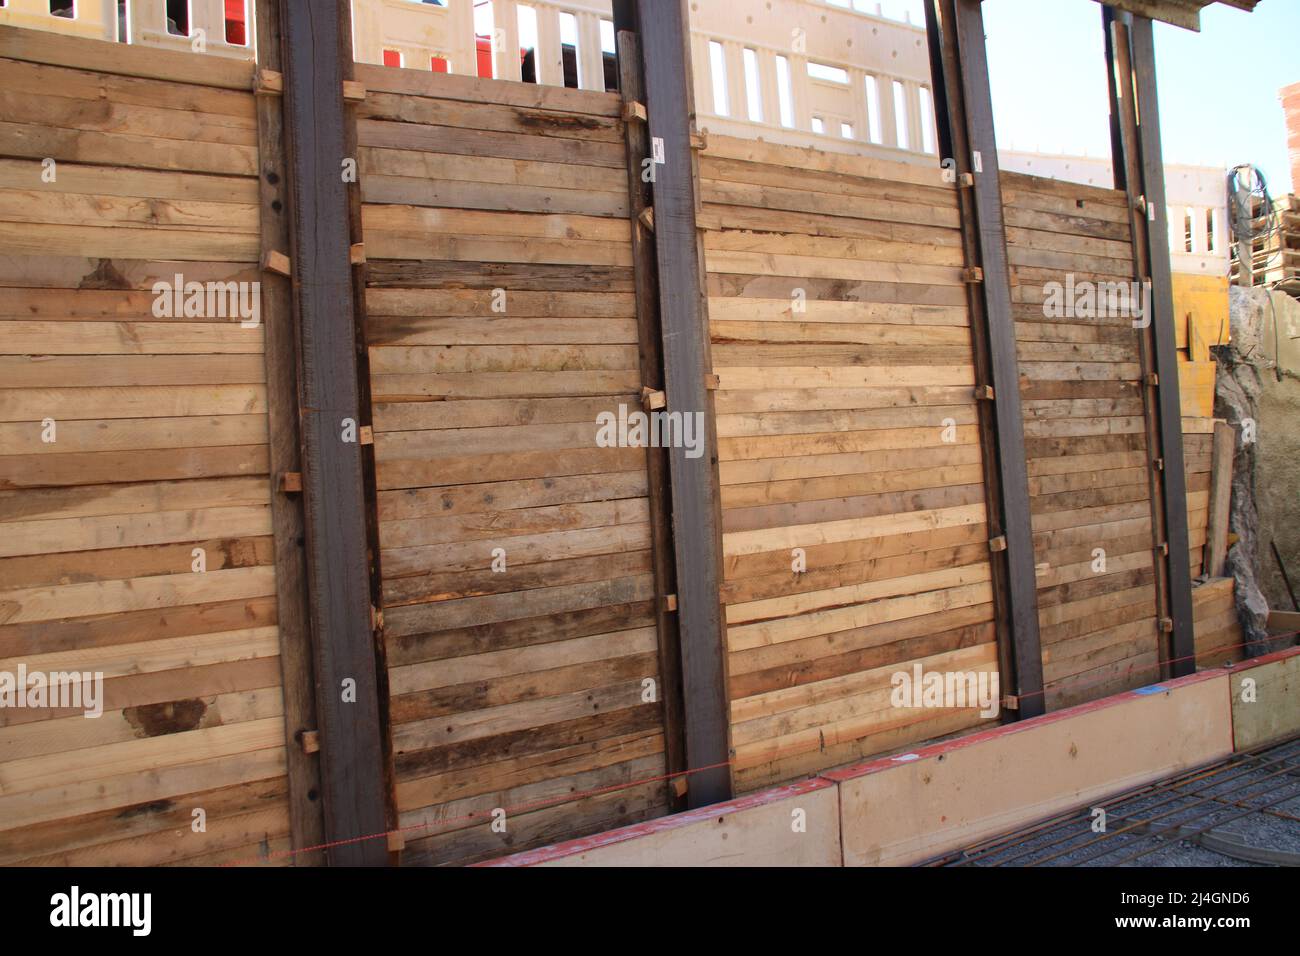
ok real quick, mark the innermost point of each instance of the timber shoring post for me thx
(959, 68)
(696, 518)
(306, 824)
(339, 575)
(1140, 172)
(650, 351)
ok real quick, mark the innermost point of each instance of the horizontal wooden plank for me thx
(36, 46)
(472, 90)
(37, 142)
(36, 404)
(163, 464)
(30, 238)
(116, 531)
(470, 142)
(495, 196)
(103, 115)
(89, 435)
(798, 158)
(130, 338)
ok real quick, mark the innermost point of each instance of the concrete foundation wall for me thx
(910, 807)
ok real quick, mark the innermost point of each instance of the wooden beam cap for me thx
(712, 382)
(268, 83)
(670, 602)
(998, 544)
(277, 262)
(984, 393)
(972, 274)
(647, 218)
(354, 91)
(290, 482)
(309, 740)
(652, 399)
(634, 110)
(357, 253)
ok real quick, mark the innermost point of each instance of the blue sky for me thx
(1218, 89)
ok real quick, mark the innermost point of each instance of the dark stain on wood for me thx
(544, 121)
(145, 809)
(105, 276)
(170, 717)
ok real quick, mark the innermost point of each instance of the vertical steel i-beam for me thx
(306, 823)
(964, 105)
(352, 770)
(1182, 651)
(696, 523)
(650, 355)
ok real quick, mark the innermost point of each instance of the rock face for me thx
(1265, 415)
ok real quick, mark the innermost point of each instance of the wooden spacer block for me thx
(366, 435)
(972, 274)
(376, 618)
(670, 602)
(1152, 379)
(1162, 549)
(310, 741)
(647, 218)
(652, 399)
(712, 383)
(634, 110)
(277, 262)
(1011, 702)
(357, 253)
(984, 393)
(291, 481)
(679, 785)
(1159, 464)
(268, 83)
(1167, 625)
(966, 179)
(396, 841)
(998, 544)
(354, 91)
(699, 141)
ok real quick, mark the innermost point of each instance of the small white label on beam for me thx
(657, 149)
(977, 161)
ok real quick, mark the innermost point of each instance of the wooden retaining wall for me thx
(159, 450)
(1086, 440)
(515, 587)
(847, 430)
(501, 322)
